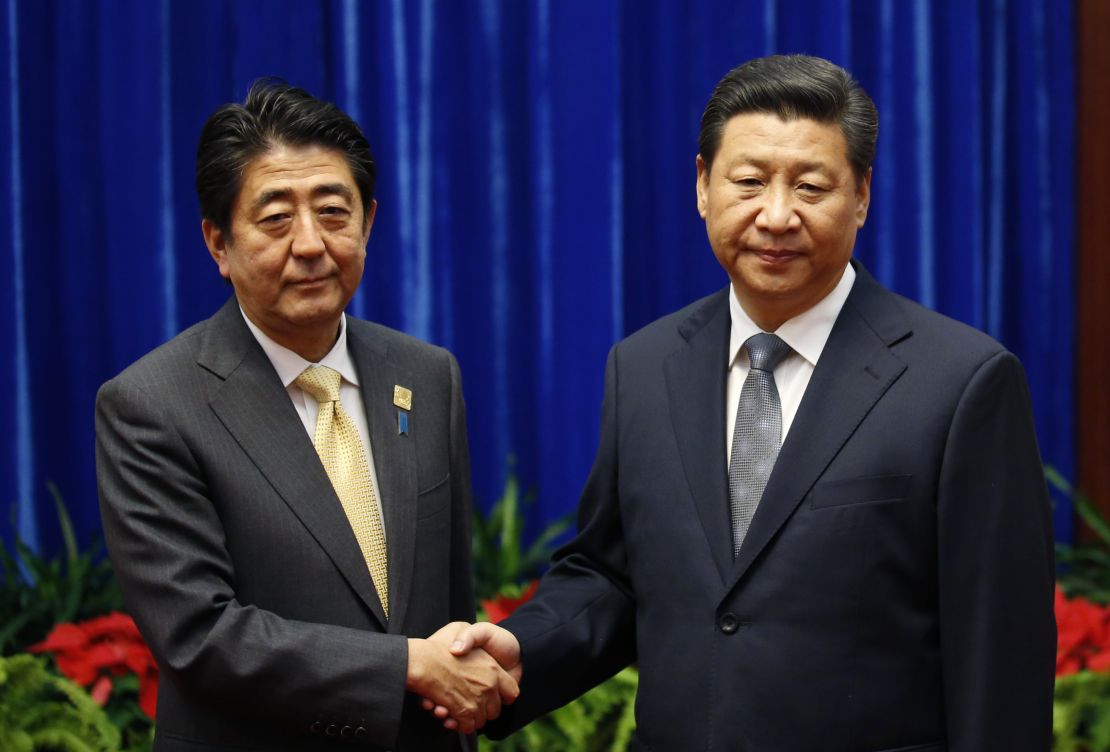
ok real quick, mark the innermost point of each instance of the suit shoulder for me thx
(169, 357)
(674, 329)
(945, 338)
(404, 348)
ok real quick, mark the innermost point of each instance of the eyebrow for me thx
(325, 189)
(762, 164)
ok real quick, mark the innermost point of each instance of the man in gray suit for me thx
(290, 550)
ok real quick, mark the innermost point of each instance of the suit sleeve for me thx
(462, 585)
(996, 570)
(579, 628)
(170, 553)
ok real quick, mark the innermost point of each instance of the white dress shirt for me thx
(806, 334)
(289, 366)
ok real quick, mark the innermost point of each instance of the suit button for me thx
(317, 727)
(331, 730)
(361, 732)
(346, 731)
(728, 623)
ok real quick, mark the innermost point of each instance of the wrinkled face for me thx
(781, 207)
(297, 245)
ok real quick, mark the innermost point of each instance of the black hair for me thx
(794, 87)
(273, 114)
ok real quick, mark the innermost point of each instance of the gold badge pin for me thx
(402, 397)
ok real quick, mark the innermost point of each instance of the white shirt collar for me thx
(289, 364)
(806, 333)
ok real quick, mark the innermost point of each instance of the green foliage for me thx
(135, 728)
(602, 720)
(500, 556)
(1081, 712)
(43, 712)
(1084, 570)
(77, 586)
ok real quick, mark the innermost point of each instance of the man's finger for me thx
(507, 687)
(470, 637)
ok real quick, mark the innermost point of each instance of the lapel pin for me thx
(402, 397)
(402, 423)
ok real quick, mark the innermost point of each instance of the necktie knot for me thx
(321, 382)
(766, 351)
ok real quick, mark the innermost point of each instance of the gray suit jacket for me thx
(236, 559)
(894, 591)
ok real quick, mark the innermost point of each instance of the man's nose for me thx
(307, 238)
(777, 214)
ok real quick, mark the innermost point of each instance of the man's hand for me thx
(467, 688)
(497, 641)
(485, 637)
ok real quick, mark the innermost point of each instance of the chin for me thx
(315, 314)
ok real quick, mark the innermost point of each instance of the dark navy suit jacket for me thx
(895, 590)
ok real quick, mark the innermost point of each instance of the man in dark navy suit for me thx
(817, 519)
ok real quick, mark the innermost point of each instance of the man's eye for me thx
(810, 188)
(273, 219)
(749, 182)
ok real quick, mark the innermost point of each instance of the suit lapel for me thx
(855, 370)
(254, 407)
(394, 459)
(695, 376)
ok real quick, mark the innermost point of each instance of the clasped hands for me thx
(464, 673)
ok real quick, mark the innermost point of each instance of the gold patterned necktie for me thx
(341, 451)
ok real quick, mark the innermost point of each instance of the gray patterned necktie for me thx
(758, 433)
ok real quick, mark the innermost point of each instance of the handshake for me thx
(464, 673)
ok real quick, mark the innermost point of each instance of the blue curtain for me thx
(536, 193)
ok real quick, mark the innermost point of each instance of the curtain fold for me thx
(536, 193)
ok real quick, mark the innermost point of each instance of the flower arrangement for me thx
(1081, 705)
(94, 652)
(1082, 635)
(78, 675)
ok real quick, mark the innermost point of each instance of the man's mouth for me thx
(776, 255)
(307, 281)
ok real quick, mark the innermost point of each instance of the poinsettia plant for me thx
(1082, 635)
(98, 651)
(65, 608)
(1081, 705)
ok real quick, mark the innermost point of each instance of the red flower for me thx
(1083, 635)
(499, 607)
(93, 651)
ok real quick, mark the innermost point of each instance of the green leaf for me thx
(64, 522)
(1057, 481)
(1093, 518)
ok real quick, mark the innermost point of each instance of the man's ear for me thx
(863, 198)
(368, 222)
(702, 187)
(217, 244)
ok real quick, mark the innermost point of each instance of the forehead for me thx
(294, 171)
(766, 136)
